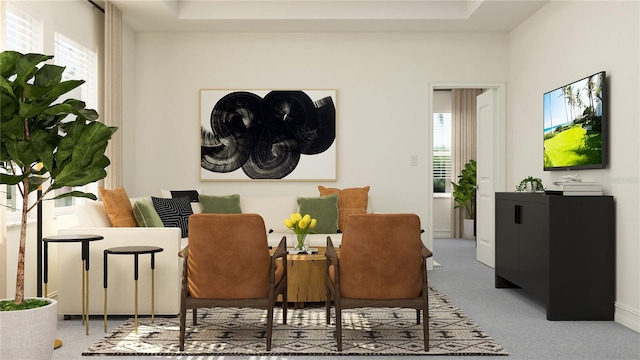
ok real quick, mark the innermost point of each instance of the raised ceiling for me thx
(326, 15)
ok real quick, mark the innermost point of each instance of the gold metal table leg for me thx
(105, 309)
(83, 293)
(153, 300)
(86, 322)
(136, 309)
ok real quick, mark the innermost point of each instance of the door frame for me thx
(499, 133)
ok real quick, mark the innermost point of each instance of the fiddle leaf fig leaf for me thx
(92, 141)
(8, 103)
(36, 180)
(44, 144)
(89, 114)
(11, 179)
(12, 128)
(59, 109)
(30, 92)
(21, 152)
(81, 153)
(26, 66)
(63, 88)
(48, 76)
(8, 61)
(76, 194)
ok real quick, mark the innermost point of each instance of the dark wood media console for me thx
(560, 249)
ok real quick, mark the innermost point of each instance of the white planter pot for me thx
(468, 229)
(28, 334)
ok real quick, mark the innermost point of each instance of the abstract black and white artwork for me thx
(268, 135)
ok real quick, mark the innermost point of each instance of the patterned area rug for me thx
(365, 331)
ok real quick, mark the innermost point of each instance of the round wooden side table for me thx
(135, 251)
(306, 278)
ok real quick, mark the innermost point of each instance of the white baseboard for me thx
(442, 234)
(628, 317)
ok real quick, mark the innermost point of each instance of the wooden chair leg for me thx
(269, 326)
(195, 316)
(425, 328)
(183, 324)
(418, 316)
(285, 306)
(425, 313)
(327, 305)
(339, 328)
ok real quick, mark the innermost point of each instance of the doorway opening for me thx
(491, 143)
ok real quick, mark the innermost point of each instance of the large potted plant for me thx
(464, 194)
(44, 144)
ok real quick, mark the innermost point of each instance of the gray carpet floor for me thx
(516, 320)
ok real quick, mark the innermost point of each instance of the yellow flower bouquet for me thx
(301, 226)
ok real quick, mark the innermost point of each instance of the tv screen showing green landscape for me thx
(575, 125)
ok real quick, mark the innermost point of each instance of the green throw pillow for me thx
(324, 209)
(229, 204)
(145, 214)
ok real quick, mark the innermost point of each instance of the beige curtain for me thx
(113, 92)
(464, 141)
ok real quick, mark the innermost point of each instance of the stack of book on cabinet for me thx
(581, 189)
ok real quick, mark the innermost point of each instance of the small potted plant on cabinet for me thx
(464, 194)
(530, 184)
(48, 145)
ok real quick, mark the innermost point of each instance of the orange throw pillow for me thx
(118, 207)
(350, 201)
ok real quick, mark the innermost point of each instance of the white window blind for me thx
(80, 63)
(442, 153)
(23, 34)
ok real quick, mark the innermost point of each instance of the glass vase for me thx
(301, 244)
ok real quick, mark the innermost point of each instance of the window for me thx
(11, 193)
(23, 33)
(441, 153)
(80, 63)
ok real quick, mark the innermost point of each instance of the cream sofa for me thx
(94, 220)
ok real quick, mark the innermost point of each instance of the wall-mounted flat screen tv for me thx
(575, 125)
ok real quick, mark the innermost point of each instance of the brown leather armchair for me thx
(227, 264)
(382, 263)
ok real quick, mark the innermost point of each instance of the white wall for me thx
(442, 217)
(381, 82)
(128, 107)
(561, 43)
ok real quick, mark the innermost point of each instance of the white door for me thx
(485, 196)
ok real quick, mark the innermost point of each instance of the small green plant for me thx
(530, 183)
(10, 305)
(464, 192)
